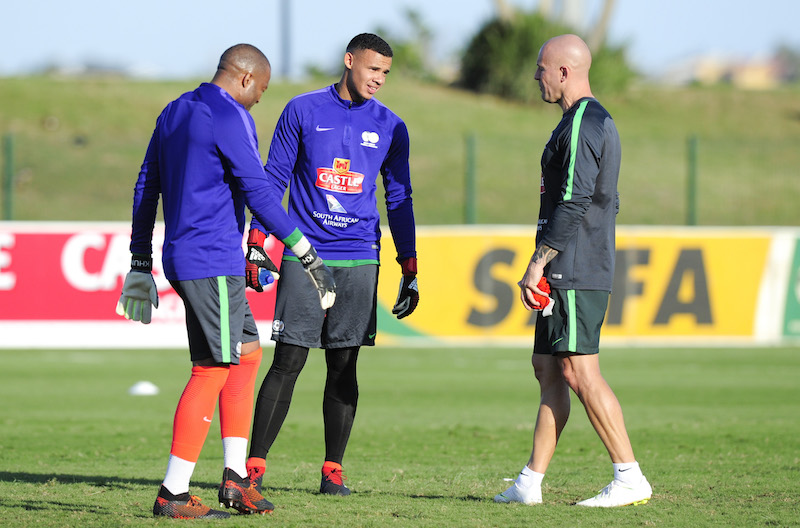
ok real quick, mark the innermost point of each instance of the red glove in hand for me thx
(546, 303)
(258, 259)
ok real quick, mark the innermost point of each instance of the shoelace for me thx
(194, 500)
(336, 476)
(254, 473)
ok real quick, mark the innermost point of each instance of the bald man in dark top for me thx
(575, 254)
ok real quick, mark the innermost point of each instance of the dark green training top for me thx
(579, 198)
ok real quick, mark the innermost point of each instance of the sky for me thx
(177, 39)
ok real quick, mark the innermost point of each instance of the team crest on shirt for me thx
(369, 139)
(339, 178)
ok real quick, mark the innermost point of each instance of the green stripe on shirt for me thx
(573, 148)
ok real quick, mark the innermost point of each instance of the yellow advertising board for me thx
(669, 283)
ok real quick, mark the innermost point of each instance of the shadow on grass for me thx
(115, 481)
(122, 483)
(50, 501)
(61, 478)
(30, 505)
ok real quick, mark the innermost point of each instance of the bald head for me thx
(570, 50)
(563, 70)
(244, 72)
(243, 57)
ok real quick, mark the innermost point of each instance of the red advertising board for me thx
(73, 272)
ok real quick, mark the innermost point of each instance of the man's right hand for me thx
(257, 258)
(529, 285)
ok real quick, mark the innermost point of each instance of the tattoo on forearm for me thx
(545, 253)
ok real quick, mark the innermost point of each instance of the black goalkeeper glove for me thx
(321, 276)
(319, 273)
(408, 294)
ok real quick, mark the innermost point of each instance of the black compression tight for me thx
(275, 396)
(340, 400)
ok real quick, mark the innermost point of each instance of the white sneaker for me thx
(515, 493)
(619, 494)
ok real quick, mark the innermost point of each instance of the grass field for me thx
(715, 430)
(79, 144)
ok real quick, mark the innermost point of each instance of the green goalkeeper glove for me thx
(139, 291)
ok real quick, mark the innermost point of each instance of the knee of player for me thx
(547, 372)
(571, 376)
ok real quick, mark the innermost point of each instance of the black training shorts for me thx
(218, 317)
(350, 322)
(574, 326)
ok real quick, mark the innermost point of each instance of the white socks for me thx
(629, 473)
(235, 453)
(179, 473)
(528, 478)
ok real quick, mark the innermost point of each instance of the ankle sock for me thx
(628, 473)
(179, 473)
(528, 478)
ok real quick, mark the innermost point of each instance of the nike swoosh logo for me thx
(323, 129)
(372, 336)
(205, 419)
(623, 470)
(557, 340)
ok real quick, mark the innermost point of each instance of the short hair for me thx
(370, 41)
(244, 57)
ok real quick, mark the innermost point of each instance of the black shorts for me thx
(350, 322)
(574, 326)
(218, 318)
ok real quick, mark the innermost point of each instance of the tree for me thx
(501, 58)
(788, 61)
(412, 55)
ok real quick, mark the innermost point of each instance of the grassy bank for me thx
(79, 144)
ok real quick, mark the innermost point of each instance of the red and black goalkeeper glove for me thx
(408, 295)
(546, 303)
(257, 261)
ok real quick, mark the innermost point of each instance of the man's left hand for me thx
(408, 294)
(138, 297)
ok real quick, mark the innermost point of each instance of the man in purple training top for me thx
(203, 160)
(331, 145)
